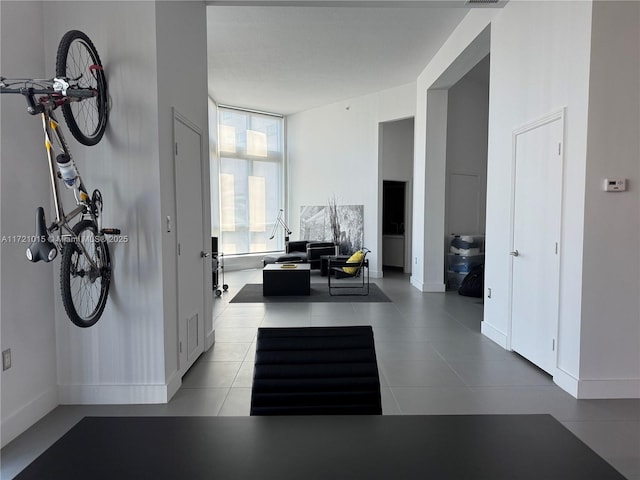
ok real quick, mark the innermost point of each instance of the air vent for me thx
(485, 3)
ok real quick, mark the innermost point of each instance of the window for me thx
(251, 152)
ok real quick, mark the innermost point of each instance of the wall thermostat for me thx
(615, 184)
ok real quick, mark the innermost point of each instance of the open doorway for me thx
(393, 225)
(466, 171)
(396, 173)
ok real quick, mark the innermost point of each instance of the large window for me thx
(251, 152)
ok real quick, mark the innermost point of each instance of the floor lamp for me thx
(280, 222)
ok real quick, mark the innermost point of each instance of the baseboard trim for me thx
(417, 283)
(594, 389)
(609, 388)
(494, 334)
(566, 381)
(209, 340)
(173, 385)
(114, 394)
(23, 418)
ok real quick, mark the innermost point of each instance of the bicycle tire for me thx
(76, 59)
(84, 288)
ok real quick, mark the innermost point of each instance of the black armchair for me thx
(355, 267)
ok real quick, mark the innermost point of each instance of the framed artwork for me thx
(315, 225)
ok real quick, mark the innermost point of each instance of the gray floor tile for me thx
(499, 373)
(237, 403)
(197, 402)
(211, 374)
(419, 374)
(236, 335)
(226, 352)
(239, 321)
(389, 403)
(616, 442)
(434, 400)
(244, 378)
(285, 320)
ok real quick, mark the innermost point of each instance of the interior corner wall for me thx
(333, 150)
(181, 32)
(610, 335)
(29, 387)
(121, 358)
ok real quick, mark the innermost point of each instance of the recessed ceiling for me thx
(286, 59)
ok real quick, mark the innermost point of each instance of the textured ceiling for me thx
(285, 59)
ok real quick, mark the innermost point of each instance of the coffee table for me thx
(278, 279)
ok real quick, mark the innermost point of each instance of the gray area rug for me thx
(252, 293)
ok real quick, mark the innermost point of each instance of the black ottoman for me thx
(316, 371)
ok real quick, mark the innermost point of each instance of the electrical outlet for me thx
(6, 359)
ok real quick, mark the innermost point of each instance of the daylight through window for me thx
(251, 156)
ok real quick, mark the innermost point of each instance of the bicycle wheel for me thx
(78, 60)
(84, 286)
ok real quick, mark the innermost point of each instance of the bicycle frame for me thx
(50, 127)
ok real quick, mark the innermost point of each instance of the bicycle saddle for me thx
(41, 248)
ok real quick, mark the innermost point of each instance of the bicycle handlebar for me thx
(71, 92)
(55, 97)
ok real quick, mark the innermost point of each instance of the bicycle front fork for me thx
(41, 248)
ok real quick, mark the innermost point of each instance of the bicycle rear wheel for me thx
(84, 286)
(78, 60)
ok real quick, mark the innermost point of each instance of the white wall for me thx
(29, 388)
(333, 150)
(467, 136)
(610, 329)
(467, 46)
(122, 358)
(396, 157)
(539, 64)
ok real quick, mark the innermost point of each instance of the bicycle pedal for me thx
(111, 231)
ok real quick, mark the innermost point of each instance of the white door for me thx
(536, 240)
(190, 241)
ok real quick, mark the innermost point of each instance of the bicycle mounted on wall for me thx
(80, 89)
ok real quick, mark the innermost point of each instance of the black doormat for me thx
(372, 447)
(252, 293)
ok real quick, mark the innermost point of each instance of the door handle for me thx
(515, 253)
(204, 254)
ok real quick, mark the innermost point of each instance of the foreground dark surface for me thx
(321, 447)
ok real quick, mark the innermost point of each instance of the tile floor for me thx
(432, 358)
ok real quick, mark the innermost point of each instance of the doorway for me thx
(466, 170)
(190, 221)
(393, 224)
(395, 164)
(535, 248)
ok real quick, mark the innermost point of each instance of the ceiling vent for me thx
(485, 3)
